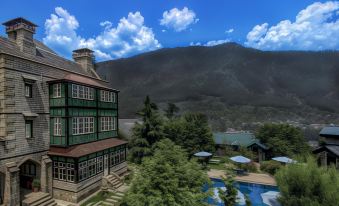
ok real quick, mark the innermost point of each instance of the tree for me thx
(308, 185)
(171, 110)
(147, 133)
(283, 139)
(229, 196)
(191, 132)
(168, 178)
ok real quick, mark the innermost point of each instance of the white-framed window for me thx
(28, 90)
(57, 90)
(62, 171)
(100, 164)
(56, 170)
(29, 128)
(70, 172)
(108, 123)
(107, 96)
(75, 91)
(82, 92)
(91, 167)
(82, 170)
(57, 126)
(82, 125)
(91, 94)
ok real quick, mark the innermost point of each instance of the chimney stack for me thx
(85, 58)
(21, 31)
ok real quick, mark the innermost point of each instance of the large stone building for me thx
(58, 120)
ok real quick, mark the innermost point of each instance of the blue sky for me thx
(115, 29)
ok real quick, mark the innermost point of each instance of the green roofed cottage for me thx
(236, 139)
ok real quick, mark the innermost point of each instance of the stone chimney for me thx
(85, 58)
(21, 31)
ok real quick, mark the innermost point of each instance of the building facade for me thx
(328, 152)
(58, 120)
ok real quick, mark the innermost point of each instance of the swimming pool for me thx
(260, 195)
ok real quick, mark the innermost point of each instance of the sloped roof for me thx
(233, 138)
(331, 148)
(83, 80)
(332, 131)
(85, 149)
(44, 55)
(257, 142)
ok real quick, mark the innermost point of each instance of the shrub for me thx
(250, 167)
(270, 167)
(308, 185)
(36, 183)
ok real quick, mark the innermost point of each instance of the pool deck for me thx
(256, 178)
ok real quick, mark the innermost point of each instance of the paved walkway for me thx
(257, 178)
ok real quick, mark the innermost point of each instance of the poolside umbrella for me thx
(240, 159)
(270, 198)
(202, 154)
(284, 160)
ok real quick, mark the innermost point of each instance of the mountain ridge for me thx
(203, 79)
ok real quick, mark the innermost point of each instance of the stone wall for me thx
(75, 192)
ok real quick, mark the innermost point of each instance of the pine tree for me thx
(147, 133)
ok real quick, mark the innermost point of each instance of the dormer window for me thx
(28, 90)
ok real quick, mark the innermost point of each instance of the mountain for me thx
(235, 86)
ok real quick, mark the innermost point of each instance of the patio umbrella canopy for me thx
(284, 159)
(240, 159)
(202, 154)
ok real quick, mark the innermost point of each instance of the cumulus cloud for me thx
(315, 28)
(129, 37)
(179, 20)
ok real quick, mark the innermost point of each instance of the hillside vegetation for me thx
(234, 86)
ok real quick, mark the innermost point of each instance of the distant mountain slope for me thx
(230, 80)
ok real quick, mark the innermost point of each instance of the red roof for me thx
(85, 149)
(82, 80)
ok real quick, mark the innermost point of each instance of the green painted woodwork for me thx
(83, 138)
(67, 107)
(107, 113)
(58, 140)
(81, 102)
(82, 112)
(59, 112)
(107, 134)
(57, 102)
(108, 105)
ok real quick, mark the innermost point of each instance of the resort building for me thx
(328, 152)
(58, 121)
(234, 140)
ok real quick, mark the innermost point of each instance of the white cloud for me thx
(315, 28)
(129, 37)
(210, 43)
(216, 42)
(229, 31)
(179, 20)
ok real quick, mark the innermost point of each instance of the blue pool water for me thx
(257, 193)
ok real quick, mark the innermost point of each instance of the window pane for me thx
(28, 129)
